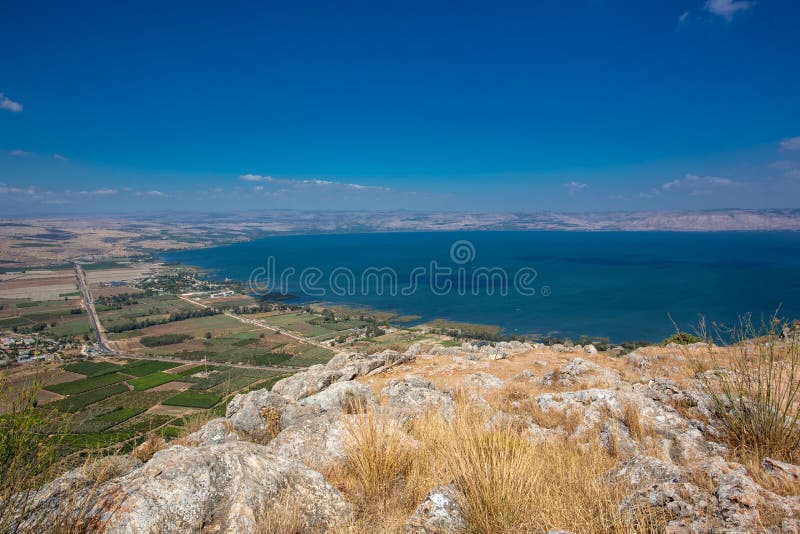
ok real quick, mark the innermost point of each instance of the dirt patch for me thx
(173, 411)
(43, 396)
(180, 369)
(172, 386)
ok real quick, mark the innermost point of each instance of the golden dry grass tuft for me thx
(283, 516)
(192, 424)
(506, 483)
(630, 416)
(151, 445)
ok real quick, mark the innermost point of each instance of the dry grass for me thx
(506, 483)
(192, 424)
(284, 516)
(151, 445)
(632, 420)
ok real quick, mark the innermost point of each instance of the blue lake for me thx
(618, 285)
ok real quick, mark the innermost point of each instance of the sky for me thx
(594, 105)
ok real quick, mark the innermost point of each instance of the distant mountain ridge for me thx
(291, 221)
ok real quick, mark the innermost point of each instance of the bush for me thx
(28, 457)
(681, 338)
(754, 391)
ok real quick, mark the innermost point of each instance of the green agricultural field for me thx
(8, 322)
(85, 384)
(115, 417)
(78, 402)
(144, 423)
(92, 368)
(299, 322)
(57, 317)
(192, 370)
(310, 355)
(146, 367)
(163, 339)
(152, 307)
(150, 381)
(193, 399)
(75, 327)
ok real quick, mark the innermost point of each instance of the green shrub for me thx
(681, 338)
(754, 391)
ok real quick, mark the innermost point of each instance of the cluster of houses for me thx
(24, 349)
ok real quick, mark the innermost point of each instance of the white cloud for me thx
(255, 178)
(59, 157)
(574, 187)
(684, 18)
(728, 8)
(20, 153)
(693, 185)
(792, 143)
(8, 104)
(99, 192)
(8, 189)
(301, 184)
(155, 193)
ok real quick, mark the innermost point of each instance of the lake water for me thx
(618, 285)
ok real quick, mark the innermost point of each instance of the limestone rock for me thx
(481, 382)
(413, 396)
(216, 431)
(259, 415)
(439, 513)
(219, 488)
(316, 442)
(341, 396)
(313, 380)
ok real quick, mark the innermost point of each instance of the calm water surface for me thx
(619, 285)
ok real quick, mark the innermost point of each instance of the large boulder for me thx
(214, 488)
(413, 396)
(214, 432)
(317, 442)
(260, 415)
(341, 396)
(313, 380)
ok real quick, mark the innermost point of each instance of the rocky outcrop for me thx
(271, 447)
(342, 367)
(412, 396)
(262, 414)
(219, 488)
(341, 396)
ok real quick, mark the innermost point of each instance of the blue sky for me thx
(551, 105)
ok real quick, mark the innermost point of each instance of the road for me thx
(107, 350)
(88, 304)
